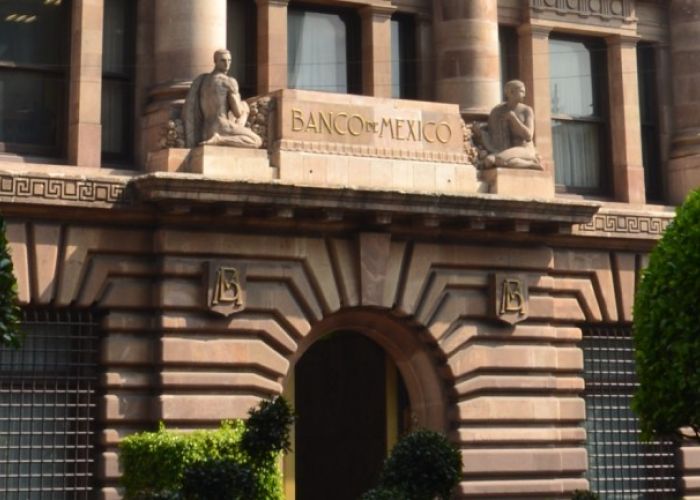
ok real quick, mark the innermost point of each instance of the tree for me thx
(10, 333)
(667, 330)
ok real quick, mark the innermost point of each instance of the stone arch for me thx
(406, 343)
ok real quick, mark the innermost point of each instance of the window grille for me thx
(48, 408)
(620, 466)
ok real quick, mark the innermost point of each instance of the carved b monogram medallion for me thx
(225, 283)
(510, 297)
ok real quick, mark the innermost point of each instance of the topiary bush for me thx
(423, 465)
(219, 480)
(172, 465)
(667, 329)
(10, 316)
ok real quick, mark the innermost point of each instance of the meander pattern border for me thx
(642, 225)
(80, 190)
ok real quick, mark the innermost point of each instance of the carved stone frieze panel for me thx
(607, 10)
(42, 188)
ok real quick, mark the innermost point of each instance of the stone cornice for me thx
(183, 190)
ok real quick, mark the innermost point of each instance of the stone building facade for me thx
(362, 263)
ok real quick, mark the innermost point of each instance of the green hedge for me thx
(667, 329)
(238, 458)
(10, 333)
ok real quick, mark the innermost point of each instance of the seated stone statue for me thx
(510, 131)
(214, 112)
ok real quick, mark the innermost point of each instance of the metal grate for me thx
(619, 465)
(48, 408)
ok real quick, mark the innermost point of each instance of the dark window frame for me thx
(649, 120)
(126, 78)
(509, 52)
(601, 99)
(248, 87)
(60, 71)
(353, 23)
(408, 55)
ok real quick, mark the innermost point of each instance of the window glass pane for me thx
(115, 110)
(396, 59)
(31, 108)
(34, 32)
(508, 46)
(114, 38)
(576, 153)
(240, 40)
(317, 51)
(571, 79)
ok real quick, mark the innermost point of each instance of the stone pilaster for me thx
(376, 50)
(533, 43)
(467, 52)
(684, 166)
(272, 45)
(84, 120)
(628, 172)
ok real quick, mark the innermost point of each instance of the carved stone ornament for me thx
(214, 112)
(619, 10)
(508, 138)
(225, 287)
(509, 297)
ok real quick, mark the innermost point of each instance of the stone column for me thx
(187, 32)
(376, 50)
(84, 118)
(684, 166)
(628, 171)
(185, 35)
(533, 43)
(467, 52)
(272, 45)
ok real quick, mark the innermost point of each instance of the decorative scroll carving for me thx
(260, 118)
(172, 135)
(619, 10)
(64, 189)
(510, 297)
(642, 225)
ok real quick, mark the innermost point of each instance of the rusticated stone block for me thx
(126, 407)
(524, 461)
(521, 409)
(127, 349)
(210, 407)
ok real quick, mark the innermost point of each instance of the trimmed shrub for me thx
(667, 329)
(238, 458)
(382, 494)
(267, 430)
(10, 317)
(422, 466)
(219, 480)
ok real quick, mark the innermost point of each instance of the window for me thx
(324, 50)
(118, 54)
(649, 116)
(619, 465)
(508, 46)
(48, 408)
(241, 24)
(578, 84)
(34, 55)
(403, 57)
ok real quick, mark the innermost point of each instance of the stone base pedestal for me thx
(386, 174)
(168, 160)
(683, 177)
(519, 182)
(232, 163)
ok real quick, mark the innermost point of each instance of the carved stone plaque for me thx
(225, 287)
(509, 297)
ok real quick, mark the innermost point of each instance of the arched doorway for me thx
(352, 406)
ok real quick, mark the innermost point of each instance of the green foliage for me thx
(422, 466)
(10, 333)
(155, 464)
(585, 495)
(267, 430)
(219, 480)
(667, 329)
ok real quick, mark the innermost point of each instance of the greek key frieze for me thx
(628, 224)
(64, 189)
